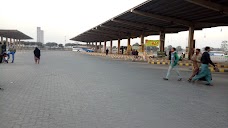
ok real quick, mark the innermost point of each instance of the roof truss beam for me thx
(120, 29)
(102, 34)
(210, 5)
(139, 25)
(163, 18)
(107, 32)
(91, 38)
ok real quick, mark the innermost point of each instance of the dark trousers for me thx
(0, 58)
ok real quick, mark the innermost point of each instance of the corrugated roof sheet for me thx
(15, 34)
(131, 24)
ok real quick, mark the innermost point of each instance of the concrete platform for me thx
(71, 90)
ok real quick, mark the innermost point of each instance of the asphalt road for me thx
(71, 90)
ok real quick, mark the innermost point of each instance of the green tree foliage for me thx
(70, 44)
(51, 44)
(61, 45)
(224, 45)
(169, 47)
(179, 48)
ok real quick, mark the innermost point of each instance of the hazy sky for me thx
(60, 18)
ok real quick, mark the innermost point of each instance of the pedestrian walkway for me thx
(222, 67)
(73, 90)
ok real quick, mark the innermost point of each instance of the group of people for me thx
(135, 53)
(200, 66)
(4, 54)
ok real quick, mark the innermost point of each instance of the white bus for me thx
(218, 57)
(77, 49)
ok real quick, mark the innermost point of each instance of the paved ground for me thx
(70, 90)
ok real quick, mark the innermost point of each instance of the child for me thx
(5, 57)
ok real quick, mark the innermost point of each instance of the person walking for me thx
(170, 52)
(196, 61)
(107, 51)
(12, 51)
(3, 50)
(4, 47)
(37, 55)
(1, 53)
(173, 64)
(205, 71)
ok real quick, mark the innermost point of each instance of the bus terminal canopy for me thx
(155, 16)
(14, 34)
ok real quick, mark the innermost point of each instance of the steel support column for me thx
(110, 46)
(2, 40)
(19, 42)
(95, 46)
(7, 43)
(162, 41)
(10, 41)
(128, 45)
(100, 47)
(142, 42)
(190, 42)
(104, 47)
(118, 47)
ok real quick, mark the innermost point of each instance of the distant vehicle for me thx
(89, 50)
(76, 49)
(218, 57)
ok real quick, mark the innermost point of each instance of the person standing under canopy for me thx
(37, 55)
(107, 51)
(12, 51)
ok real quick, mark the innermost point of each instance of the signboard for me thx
(152, 43)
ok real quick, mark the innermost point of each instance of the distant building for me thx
(40, 35)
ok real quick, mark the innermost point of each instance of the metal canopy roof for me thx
(14, 34)
(154, 16)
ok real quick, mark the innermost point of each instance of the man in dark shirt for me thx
(4, 47)
(205, 71)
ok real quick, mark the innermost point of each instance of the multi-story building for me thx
(40, 35)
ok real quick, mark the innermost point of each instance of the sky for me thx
(62, 19)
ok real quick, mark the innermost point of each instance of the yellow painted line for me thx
(222, 70)
(212, 69)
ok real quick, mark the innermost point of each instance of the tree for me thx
(114, 47)
(224, 45)
(179, 48)
(154, 48)
(169, 47)
(61, 45)
(70, 44)
(136, 44)
(51, 44)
